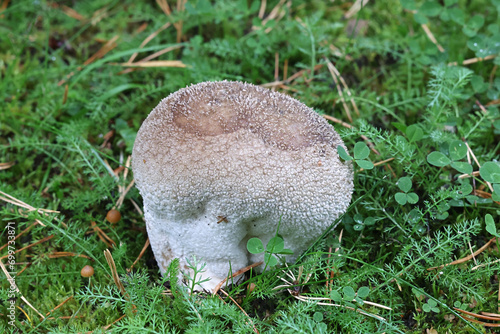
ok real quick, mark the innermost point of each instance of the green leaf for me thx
(490, 172)
(286, 251)
(409, 4)
(365, 164)
(255, 246)
(438, 159)
(361, 150)
(270, 259)
(400, 198)
(336, 296)
(476, 22)
(404, 183)
(465, 189)
(496, 192)
(363, 292)
(275, 245)
(400, 126)
(462, 167)
(358, 218)
(457, 15)
(457, 149)
(369, 221)
(412, 198)
(358, 227)
(430, 8)
(318, 316)
(478, 84)
(349, 293)
(490, 225)
(414, 133)
(420, 18)
(343, 154)
(359, 301)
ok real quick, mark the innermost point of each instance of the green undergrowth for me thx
(424, 137)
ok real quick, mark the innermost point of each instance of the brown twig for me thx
(330, 272)
(242, 310)
(58, 306)
(156, 63)
(114, 273)
(55, 255)
(477, 163)
(144, 248)
(487, 324)
(103, 236)
(14, 287)
(355, 8)
(114, 322)
(110, 45)
(467, 258)
(31, 245)
(349, 126)
(237, 273)
(148, 39)
(262, 9)
(431, 37)
(20, 234)
(472, 60)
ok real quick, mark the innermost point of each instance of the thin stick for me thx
(262, 9)
(485, 317)
(58, 306)
(148, 39)
(276, 66)
(156, 63)
(355, 8)
(431, 37)
(110, 45)
(477, 163)
(339, 89)
(114, 272)
(472, 60)
(157, 54)
(31, 245)
(349, 126)
(20, 234)
(55, 255)
(285, 70)
(146, 245)
(114, 322)
(13, 286)
(467, 258)
(344, 84)
(484, 264)
(242, 310)
(239, 272)
(305, 299)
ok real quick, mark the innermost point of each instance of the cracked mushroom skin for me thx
(218, 163)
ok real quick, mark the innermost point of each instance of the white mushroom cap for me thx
(220, 162)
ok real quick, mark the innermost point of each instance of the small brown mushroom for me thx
(255, 157)
(87, 271)
(113, 216)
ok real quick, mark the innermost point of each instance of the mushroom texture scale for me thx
(218, 163)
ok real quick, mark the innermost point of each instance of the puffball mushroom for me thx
(218, 163)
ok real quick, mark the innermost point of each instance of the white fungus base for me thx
(250, 155)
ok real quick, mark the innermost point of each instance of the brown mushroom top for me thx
(239, 150)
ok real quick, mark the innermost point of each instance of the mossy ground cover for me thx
(416, 82)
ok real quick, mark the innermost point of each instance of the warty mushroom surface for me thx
(218, 163)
